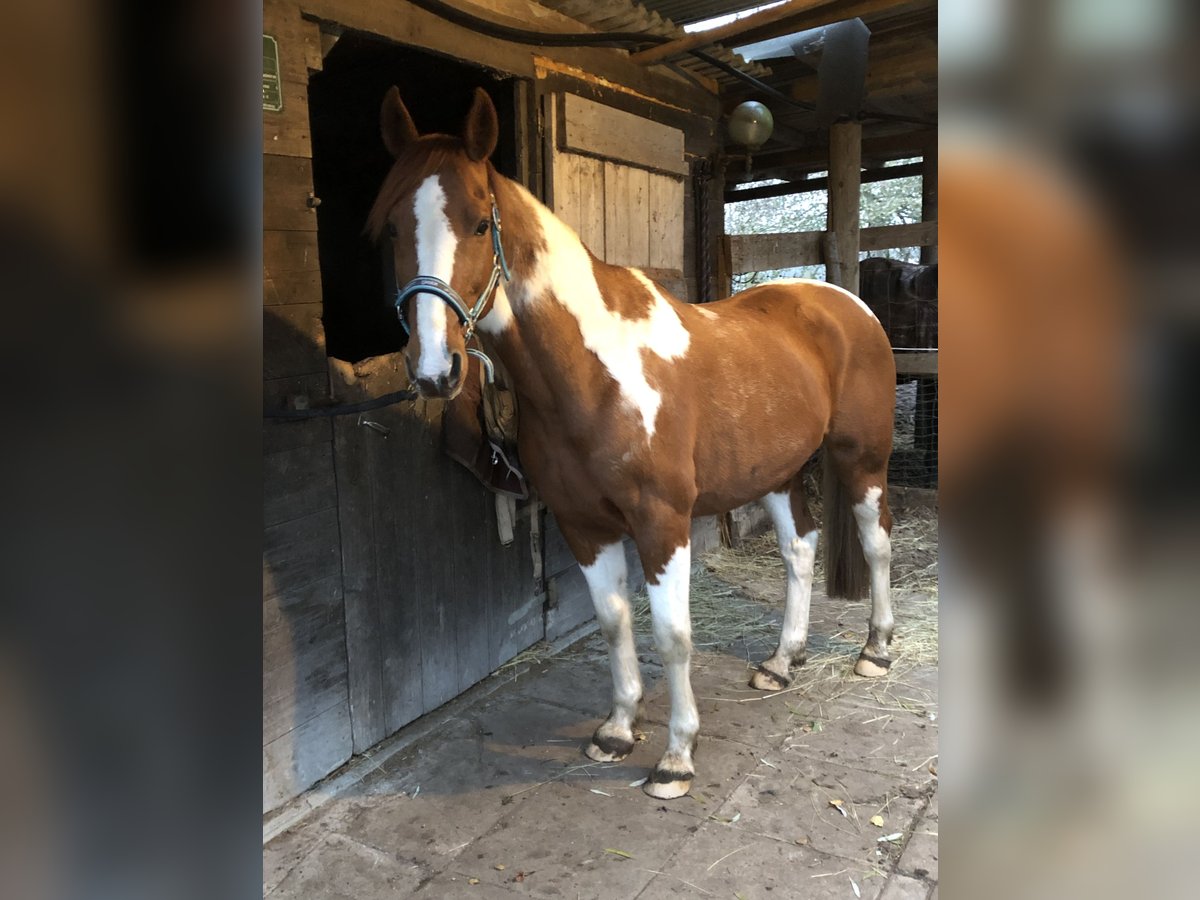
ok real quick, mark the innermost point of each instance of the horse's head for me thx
(436, 206)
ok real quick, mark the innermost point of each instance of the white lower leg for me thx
(673, 633)
(799, 554)
(877, 548)
(608, 582)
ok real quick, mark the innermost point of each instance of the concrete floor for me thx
(495, 798)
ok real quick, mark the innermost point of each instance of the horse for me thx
(638, 412)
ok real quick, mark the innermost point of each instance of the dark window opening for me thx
(350, 162)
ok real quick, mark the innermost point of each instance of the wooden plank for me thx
(287, 182)
(768, 252)
(298, 482)
(579, 197)
(925, 363)
(592, 128)
(626, 215)
(432, 602)
(408, 24)
(293, 341)
(286, 434)
(887, 237)
(299, 552)
(808, 185)
(671, 279)
(845, 202)
(300, 758)
(785, 250)
(929, 204)
(304, 656)
(665, 198)
(287, 132)
(299, 40)
(290, 252)
(292, 287)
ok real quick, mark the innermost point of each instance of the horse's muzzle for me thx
(442, 387)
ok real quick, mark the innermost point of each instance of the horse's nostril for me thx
(456, 367)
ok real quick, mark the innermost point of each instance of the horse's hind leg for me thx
(607, 580)
(874, 531)
(797, 534)
(863, 482)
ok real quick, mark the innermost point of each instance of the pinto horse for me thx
(638, 411)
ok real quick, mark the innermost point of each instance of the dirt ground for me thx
(828, 789)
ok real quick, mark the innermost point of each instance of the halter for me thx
(467, 318)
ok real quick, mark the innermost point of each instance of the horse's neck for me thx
(548, 262)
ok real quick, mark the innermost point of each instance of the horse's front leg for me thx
(667, 557)
(607, 580)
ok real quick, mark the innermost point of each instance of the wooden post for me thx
(929, 200)
(925, 425)
(845, 172)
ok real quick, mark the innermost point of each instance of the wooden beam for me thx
(787, 250)
(777, 16)
(886, 173)
(877, 149)
(795, 16)
(891, 237)
(845, 203)
(923, 362)
(929, 203)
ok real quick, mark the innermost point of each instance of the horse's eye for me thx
(482, 227)
(392, 230)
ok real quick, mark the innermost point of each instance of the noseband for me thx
(467, 318)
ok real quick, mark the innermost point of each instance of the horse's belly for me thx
(733, 470)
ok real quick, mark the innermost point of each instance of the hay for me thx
(737, 599)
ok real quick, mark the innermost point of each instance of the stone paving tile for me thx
(286, 851)
(452, 886)
(720, 767)
(729, 709)
(340, 868)
(503, 780)
(561, 847)
(444, 792)
(920, 857)
(726, 864)
(902, 744)
(792, 802)
(901, 888)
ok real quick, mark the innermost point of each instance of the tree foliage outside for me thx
(896, 202)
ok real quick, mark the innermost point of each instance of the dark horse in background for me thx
(639, 412)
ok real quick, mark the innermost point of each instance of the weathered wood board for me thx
(434, 603)
(594, 129)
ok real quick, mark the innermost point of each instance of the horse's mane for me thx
(420, 159)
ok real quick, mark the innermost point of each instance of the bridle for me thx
(468, 318)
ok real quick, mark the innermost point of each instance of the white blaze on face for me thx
(436, 246)
(566, 269)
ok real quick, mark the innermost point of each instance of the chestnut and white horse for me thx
(639, 412)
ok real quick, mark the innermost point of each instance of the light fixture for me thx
(751, 124)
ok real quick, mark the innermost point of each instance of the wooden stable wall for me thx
(341, 669)
(306, 701)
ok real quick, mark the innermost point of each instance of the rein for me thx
(467, 318)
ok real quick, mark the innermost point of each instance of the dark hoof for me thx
(664, 784)
(766, 680)
(608, 748)
(869, 666)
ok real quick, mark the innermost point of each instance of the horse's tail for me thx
(846, 574)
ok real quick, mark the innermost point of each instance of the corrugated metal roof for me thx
(625, 15)
(684, 12)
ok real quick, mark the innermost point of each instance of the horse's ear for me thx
(481, 130)
(395, 123)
